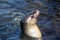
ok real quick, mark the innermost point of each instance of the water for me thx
(11, 12)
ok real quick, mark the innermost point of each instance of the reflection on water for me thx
(11, 12)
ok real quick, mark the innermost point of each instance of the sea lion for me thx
(30, 30)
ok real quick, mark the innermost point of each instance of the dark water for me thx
(11, 12)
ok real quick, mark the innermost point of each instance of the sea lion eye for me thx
(32, 16)
(26, 23)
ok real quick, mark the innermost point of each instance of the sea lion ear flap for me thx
(36, 14)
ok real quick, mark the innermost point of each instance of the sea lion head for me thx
(32, 19)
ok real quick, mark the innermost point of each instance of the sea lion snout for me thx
(35, 15)
(32, 19)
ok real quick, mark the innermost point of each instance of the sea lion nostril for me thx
(32, 16)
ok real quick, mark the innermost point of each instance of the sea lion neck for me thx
(33, 31)
(32, 26)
